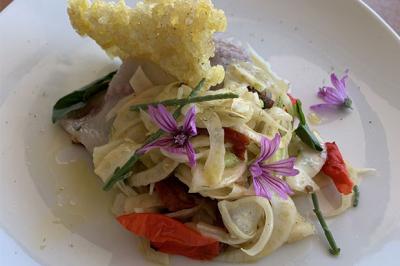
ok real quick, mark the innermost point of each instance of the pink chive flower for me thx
(334, 97)
(177, 138)
(264, 174)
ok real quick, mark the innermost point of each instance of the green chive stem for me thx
(356, 191)
(300, 113)
(303, 131)
(121, 172)
(172, 102)
(334, 250)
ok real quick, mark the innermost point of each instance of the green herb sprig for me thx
(303, 131)
(184, 101)
(356, 191)
(334, 249)
(122, 172)
(79, 98)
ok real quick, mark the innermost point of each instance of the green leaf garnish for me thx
(308, 137)
(122, 172)
(334, 250)
(299, 112)
(78, 99)
(303, 131)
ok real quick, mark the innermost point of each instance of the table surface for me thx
(388, 9)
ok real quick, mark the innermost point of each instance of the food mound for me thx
(205, 145)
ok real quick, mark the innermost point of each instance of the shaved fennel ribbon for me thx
(242, 218)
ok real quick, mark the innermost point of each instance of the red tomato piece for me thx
(171, 236)
(292, 99)
(335, 168)
(238, 140)
(174, 194)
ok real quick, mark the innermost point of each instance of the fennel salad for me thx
(206, 145)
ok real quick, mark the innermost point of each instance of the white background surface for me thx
(42, 59)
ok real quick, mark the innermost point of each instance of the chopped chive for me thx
(308, 137)
(299, 111)
(334, 250)
(356, 191)
(303, 131)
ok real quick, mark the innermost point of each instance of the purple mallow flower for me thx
(177, 138)
(334, 97)
(264, 174)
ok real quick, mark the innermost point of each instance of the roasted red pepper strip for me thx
(292, 99)
(174, 194)
(335, 168)
(238, 140)
(170, 236)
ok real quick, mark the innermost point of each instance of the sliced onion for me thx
(183, 173)
(123, 122)
(118, 205)
(182, 158)
(242, 218)
(137, 133)
(148, 122)
(309, 163)
(231, 192)
(216, 233)
(117, 157)
(214, 166)
(154, 174)
(123, 105)
(200, 141)
(184, 214)
(229, 176)
(280, 86)
(284, 212)
(101, 151)
(127, 190)
(143, 201)
(139, 81)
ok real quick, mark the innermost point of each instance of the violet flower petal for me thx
(332, 96)
(268, 148)
(255, 170)
(163, 118)
(191, 154)
(335, 95)
(324, 107)
(173, 149)
(322, 91)
(279, 186)
(264, 185)
(340, 85)
(282, 167)
(261, 187)
(163, 142)
(189, 124)
(264, 180)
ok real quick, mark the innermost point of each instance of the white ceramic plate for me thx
(53, 211)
